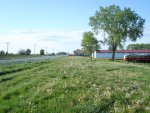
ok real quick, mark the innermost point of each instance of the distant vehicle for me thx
(137, 57)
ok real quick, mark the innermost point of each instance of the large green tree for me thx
(89, 43)
(117, 25)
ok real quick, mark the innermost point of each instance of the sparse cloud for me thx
(51, 37)
(33, 31)
(147, 30)
(60, 40)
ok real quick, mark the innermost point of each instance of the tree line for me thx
(28, 52)
(138, 47)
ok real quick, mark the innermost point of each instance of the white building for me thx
(119, 53)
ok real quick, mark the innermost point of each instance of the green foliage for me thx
(138, 47)
(118, 25)
(78, 52)
(52, 54)
(42, 52)
(89, 42)
(28, 52)
(22, 52)
(2, 52)
(61, 53)
(110, 47)
(75, 85)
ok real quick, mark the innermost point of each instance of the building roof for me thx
(124, 51)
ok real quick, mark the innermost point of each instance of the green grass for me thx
(75, 85)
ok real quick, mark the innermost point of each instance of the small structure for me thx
(119, 53)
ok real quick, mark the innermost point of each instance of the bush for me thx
(28, 52)
(42, 52)
(2, 52)
(22, 52)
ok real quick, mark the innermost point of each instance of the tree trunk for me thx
(114, 51)
(91, 55)
(113, 55)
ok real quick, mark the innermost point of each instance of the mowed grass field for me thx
(75, 85)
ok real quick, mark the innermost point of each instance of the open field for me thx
(26, 59)
(75, 85)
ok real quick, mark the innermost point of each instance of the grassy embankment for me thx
(75, 85)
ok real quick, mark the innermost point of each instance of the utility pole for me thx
(7, 47)
(7, 43)
(34, 48)
(46, 50)
(52, 50)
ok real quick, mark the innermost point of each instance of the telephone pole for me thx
(46, 50)
(34, 48)
(7, 43)
(7, 47)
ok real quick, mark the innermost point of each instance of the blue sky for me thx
(56, 24)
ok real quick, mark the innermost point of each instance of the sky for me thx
(56, 25)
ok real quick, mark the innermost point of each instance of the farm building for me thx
(119, 53)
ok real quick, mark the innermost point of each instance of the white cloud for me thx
(147, 30)
(34, 31)
(50, 39)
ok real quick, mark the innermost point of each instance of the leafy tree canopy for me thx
(22, 52)
(89, 42)
(118, 25)
(138, 47)
(2, 52)
(42, 52)
(28, 52)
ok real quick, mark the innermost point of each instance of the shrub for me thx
(28, 52)
(22, 52)
(42, 52)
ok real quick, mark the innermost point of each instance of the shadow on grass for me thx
(8, 95)
(5, 79)
(12, 71)
(104, 107)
